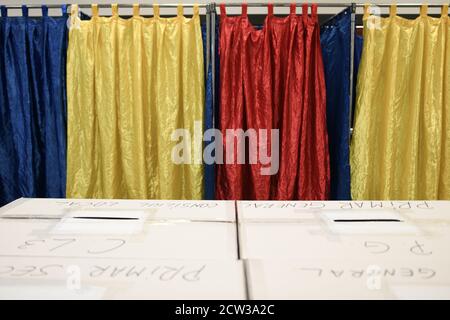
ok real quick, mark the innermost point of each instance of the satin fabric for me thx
(335, 40)
(209, 169)
(401, 143)
(273, 78)
(32, 106)
(131, 83)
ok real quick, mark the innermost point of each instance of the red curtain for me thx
(273, 78)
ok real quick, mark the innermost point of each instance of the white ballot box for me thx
(119, 229)
(354, 279)
(96, 278)
(341, 230)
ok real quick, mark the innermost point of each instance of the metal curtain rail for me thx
(330, 4)
(105, 6)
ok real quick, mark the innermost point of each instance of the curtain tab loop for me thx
(366, 11)
(115, 9)
(314, 10)
(223, 10)
(4, 11)
(73, 12)
(64, 9)
(180, 10)
(270, 9)
(244, 9)
(305, 10)
(423, 10)
(293, 8)
(44, 10)
(94, 9)
(24, 11)
(445, 10)
(393, 10)
(136, 9)
(196, 10)
(156, 10)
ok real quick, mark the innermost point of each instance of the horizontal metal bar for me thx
(329, 5)
(105, 6)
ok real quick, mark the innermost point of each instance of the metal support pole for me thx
(213, 60)
(352, 65)
(208, 37)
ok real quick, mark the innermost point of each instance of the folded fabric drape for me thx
(335, 40)
(131, 83)
(401, 144)
(273, 78)
(32, 105)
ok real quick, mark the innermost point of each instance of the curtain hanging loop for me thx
(314, 11)
(64, 10)
(73, 12)
(196, 10)
(445, 10)
(136, 9)
(4, 11)
(94, 9)
(244, 9)
(393, 10)
(305, 12)
(24, 11)
(44, 10)
(366, 11)
(293, 8)
(423, 10)
(156, 10)
(180, 10)
(270, 9)
(115, 9)
(223, 10)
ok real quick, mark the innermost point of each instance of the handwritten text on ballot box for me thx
(119, 229)
(75, 278)
(348, 279)
(339, 230)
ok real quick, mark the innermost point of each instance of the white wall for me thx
(231, 10)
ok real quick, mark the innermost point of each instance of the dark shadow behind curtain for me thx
(335, 40)
(32, 106)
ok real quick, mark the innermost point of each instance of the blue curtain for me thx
(210, 115)
(32, 105)
(335, 40)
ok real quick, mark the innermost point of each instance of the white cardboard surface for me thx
(149, 209)
(345, 230)
(69, 278)
(93, 238)
(349, 279)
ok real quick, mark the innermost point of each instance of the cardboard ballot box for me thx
(119, 229)
(80, 278)
(345, 230)
(348, 279)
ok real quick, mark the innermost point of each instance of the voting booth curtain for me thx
(130, 84)
(401, 144)
(335, 39)
(273, 79)
(32, 106)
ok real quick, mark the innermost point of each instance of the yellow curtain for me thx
(401, 141)
(130, 84)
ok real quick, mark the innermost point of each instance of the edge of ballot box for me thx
(196, 210)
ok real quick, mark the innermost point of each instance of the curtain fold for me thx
(335, 39)
(273, 79)
(401, 144)
(32, 106)
(131, 83)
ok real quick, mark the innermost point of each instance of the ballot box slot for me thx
(366, 220)
(105, 218)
